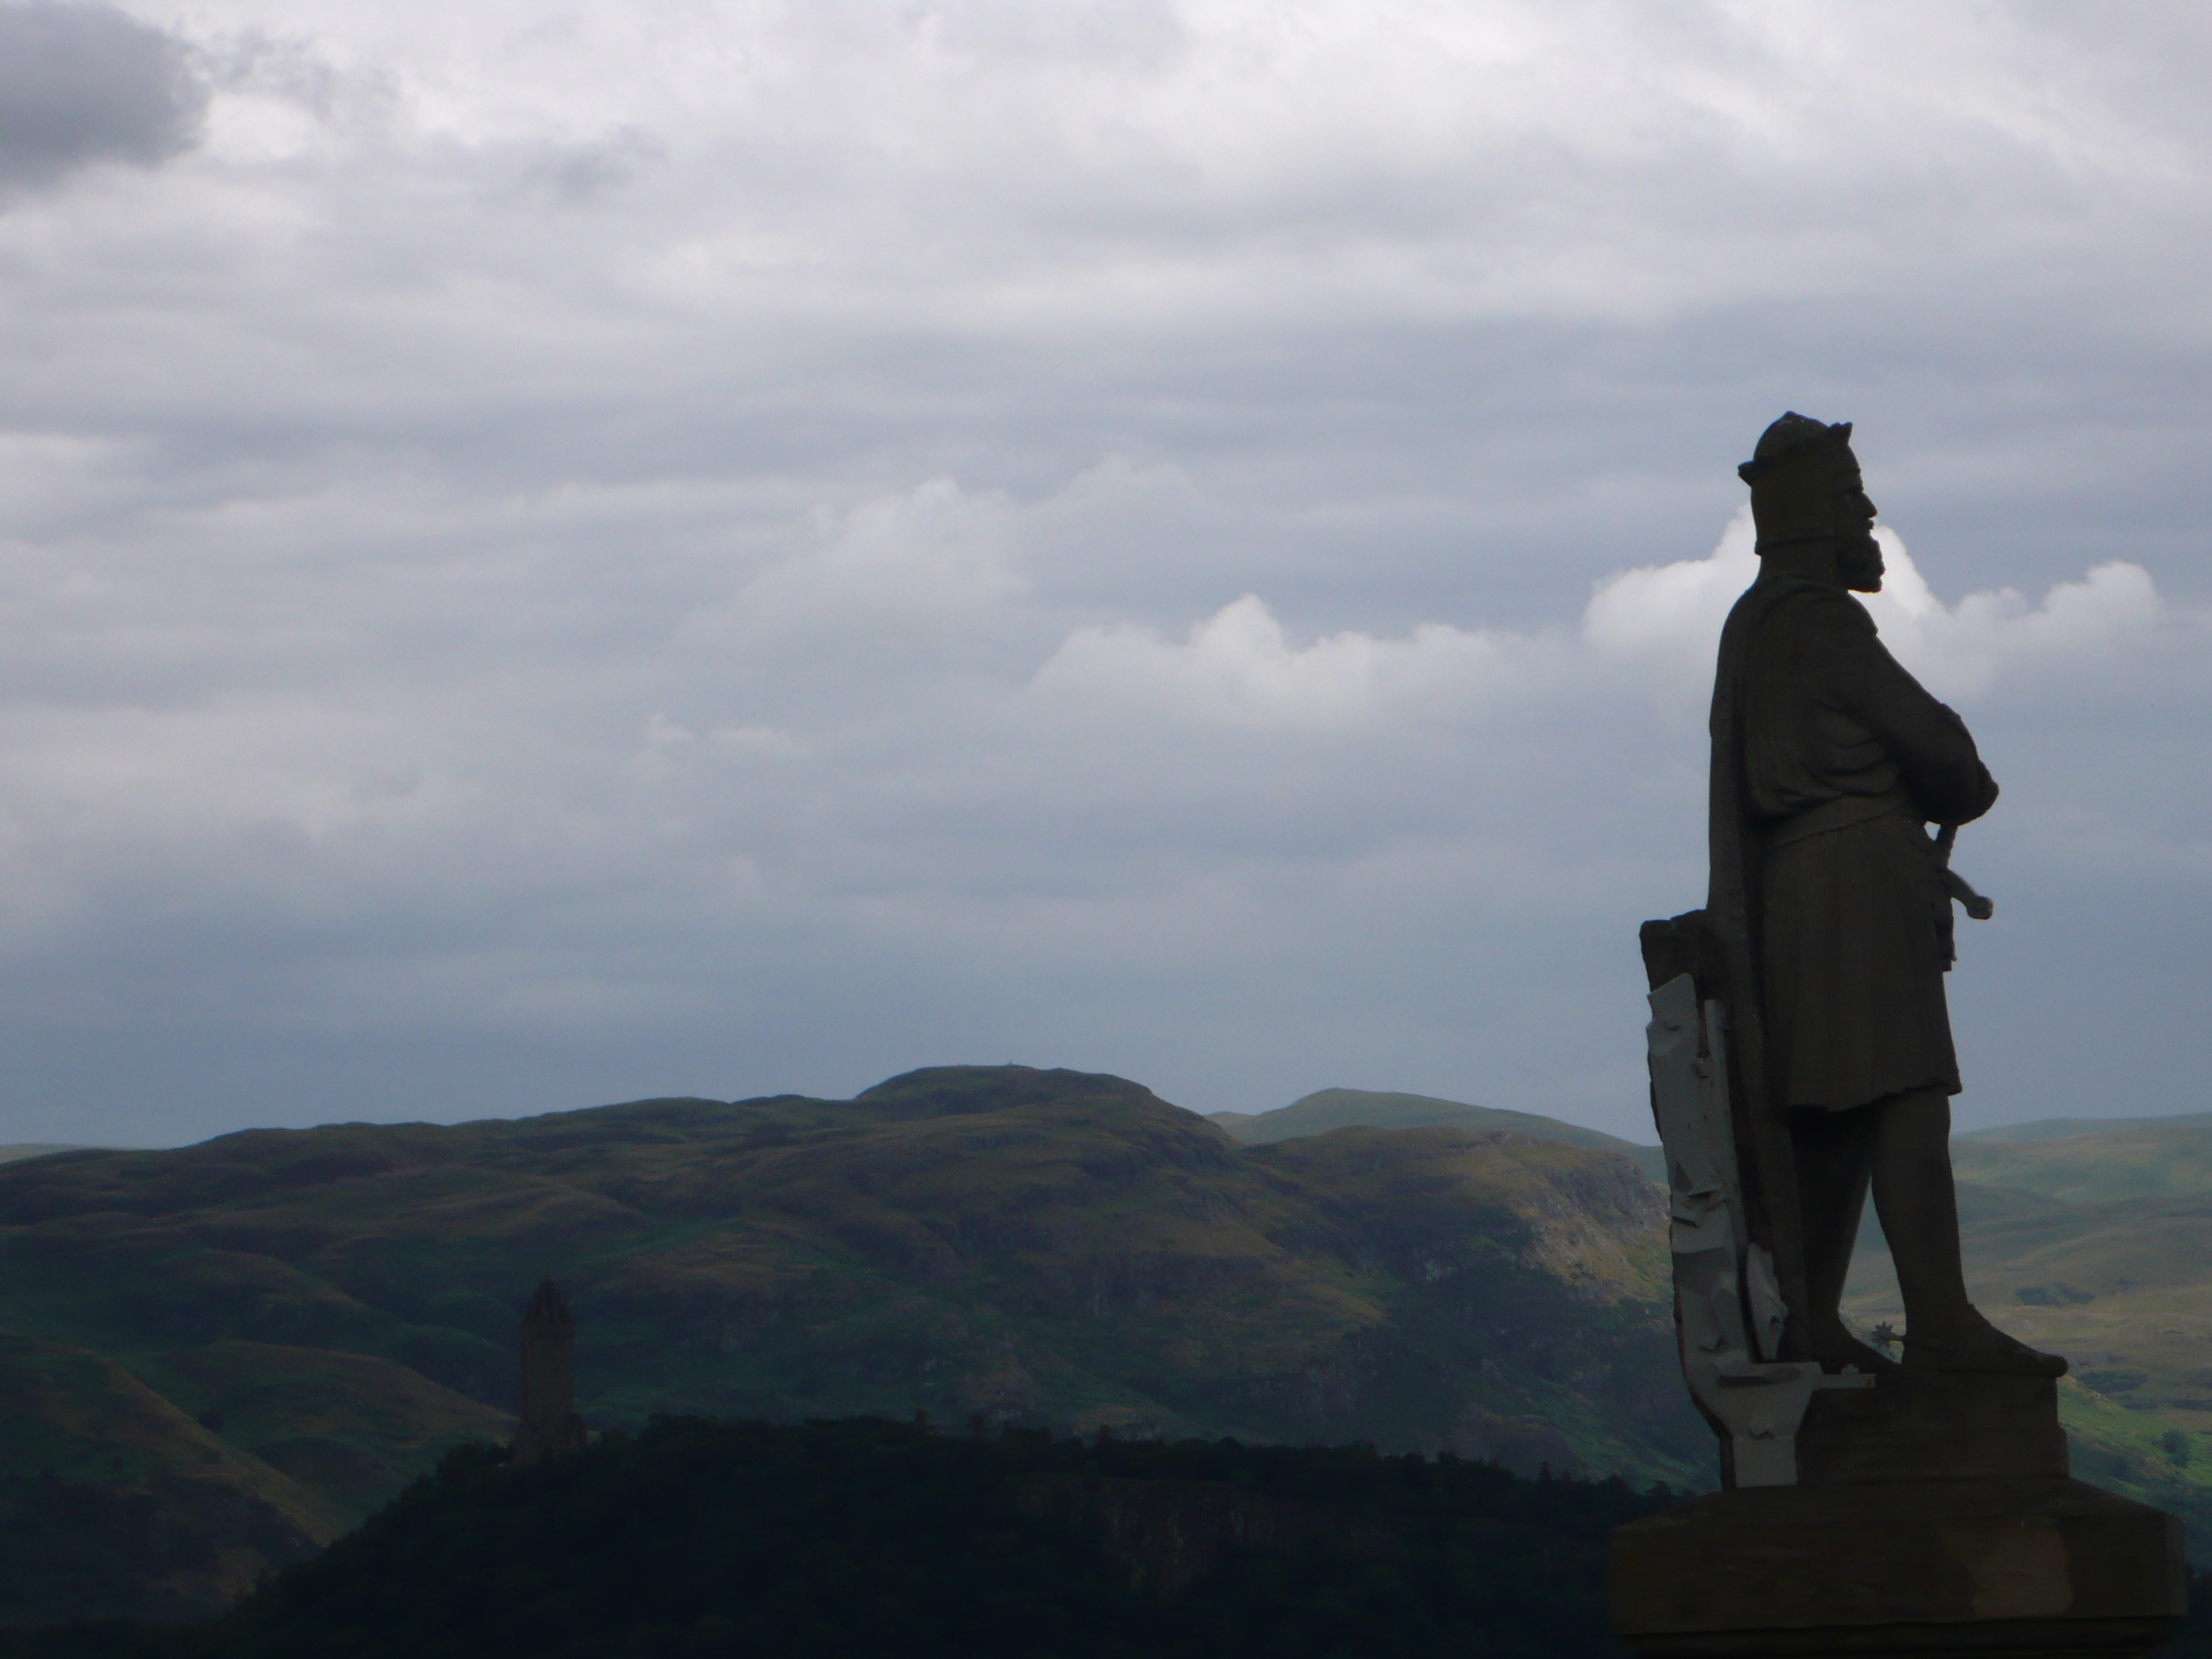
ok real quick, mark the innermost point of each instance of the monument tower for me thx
(1801, 1055)
(550, 1424)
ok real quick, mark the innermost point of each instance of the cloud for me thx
(1240, 667)
(1673, 612)
(735, 546)
(2113, 612)
(82, 82)
(933, 559)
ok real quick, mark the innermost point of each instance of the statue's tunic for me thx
(1833, 760)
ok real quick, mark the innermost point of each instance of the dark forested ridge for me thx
(701, 1538)
(213, 1361)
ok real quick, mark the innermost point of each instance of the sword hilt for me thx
(1980, 908)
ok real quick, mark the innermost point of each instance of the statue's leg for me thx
(1834, 1153)
(1918, 1205)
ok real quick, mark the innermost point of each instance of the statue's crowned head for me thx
(1806, 492)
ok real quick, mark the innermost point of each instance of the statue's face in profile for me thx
(1858, 556)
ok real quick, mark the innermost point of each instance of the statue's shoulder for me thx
(1837, 608)
(1802, 602)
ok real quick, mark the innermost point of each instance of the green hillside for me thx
(2097, 1245)
(311, 1317)
(215, 1359)
(1341, 1108)
(2154, 1159)
(2060, 1129)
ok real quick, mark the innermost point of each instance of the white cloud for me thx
(1673, 611)
(932, 559)
(1237, 667)
(2111, 615)
(1673, 614)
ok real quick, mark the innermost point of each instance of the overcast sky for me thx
(551, 553)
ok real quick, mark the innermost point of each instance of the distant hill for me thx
(2060, 1129)
(1341, 1108)
(35, 1149)
(2167, 1158)
(298, 1322)
(2095, 1239)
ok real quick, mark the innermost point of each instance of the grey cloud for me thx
(85, 82)
(574, 175)
(464, 657)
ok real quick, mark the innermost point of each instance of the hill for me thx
(2155, 1159)
(311, 1317)
(2095, 1240)
(1341, 1108)
(832, 1539)
(2060, 1129)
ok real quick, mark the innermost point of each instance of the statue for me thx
(1800, 1054)
(1829, 759)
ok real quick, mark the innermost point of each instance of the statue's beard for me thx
(1858, 564)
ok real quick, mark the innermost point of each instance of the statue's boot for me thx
(1975, 1346)
(1836, 1348)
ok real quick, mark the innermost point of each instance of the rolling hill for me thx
(2090, 1164)
(1340, 1109)
(2092, 1237)
(298, 1322)
(2095, 1240)
(213, 1360)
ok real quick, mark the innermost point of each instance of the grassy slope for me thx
(2065, 1128)
(270, 1332)
(1340, 1108)
(2145, 1160)
(336, 1306)
(2099, 1246)
(113, 1494)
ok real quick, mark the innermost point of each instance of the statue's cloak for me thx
(1731, 973)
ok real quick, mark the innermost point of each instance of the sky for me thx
(562, 553)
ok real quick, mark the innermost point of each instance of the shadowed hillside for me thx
(320, 1312)
(841, 1537)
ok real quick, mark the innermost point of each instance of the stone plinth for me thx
(1975, 1429)
(1931, 1519)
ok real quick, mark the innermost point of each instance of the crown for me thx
(1789, 439)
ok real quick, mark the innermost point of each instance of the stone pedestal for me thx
(1930, 1519)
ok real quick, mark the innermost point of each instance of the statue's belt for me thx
(1840, 813)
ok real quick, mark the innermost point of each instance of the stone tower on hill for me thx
(550, 1424)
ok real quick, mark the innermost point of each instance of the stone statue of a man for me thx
(1830, 762)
